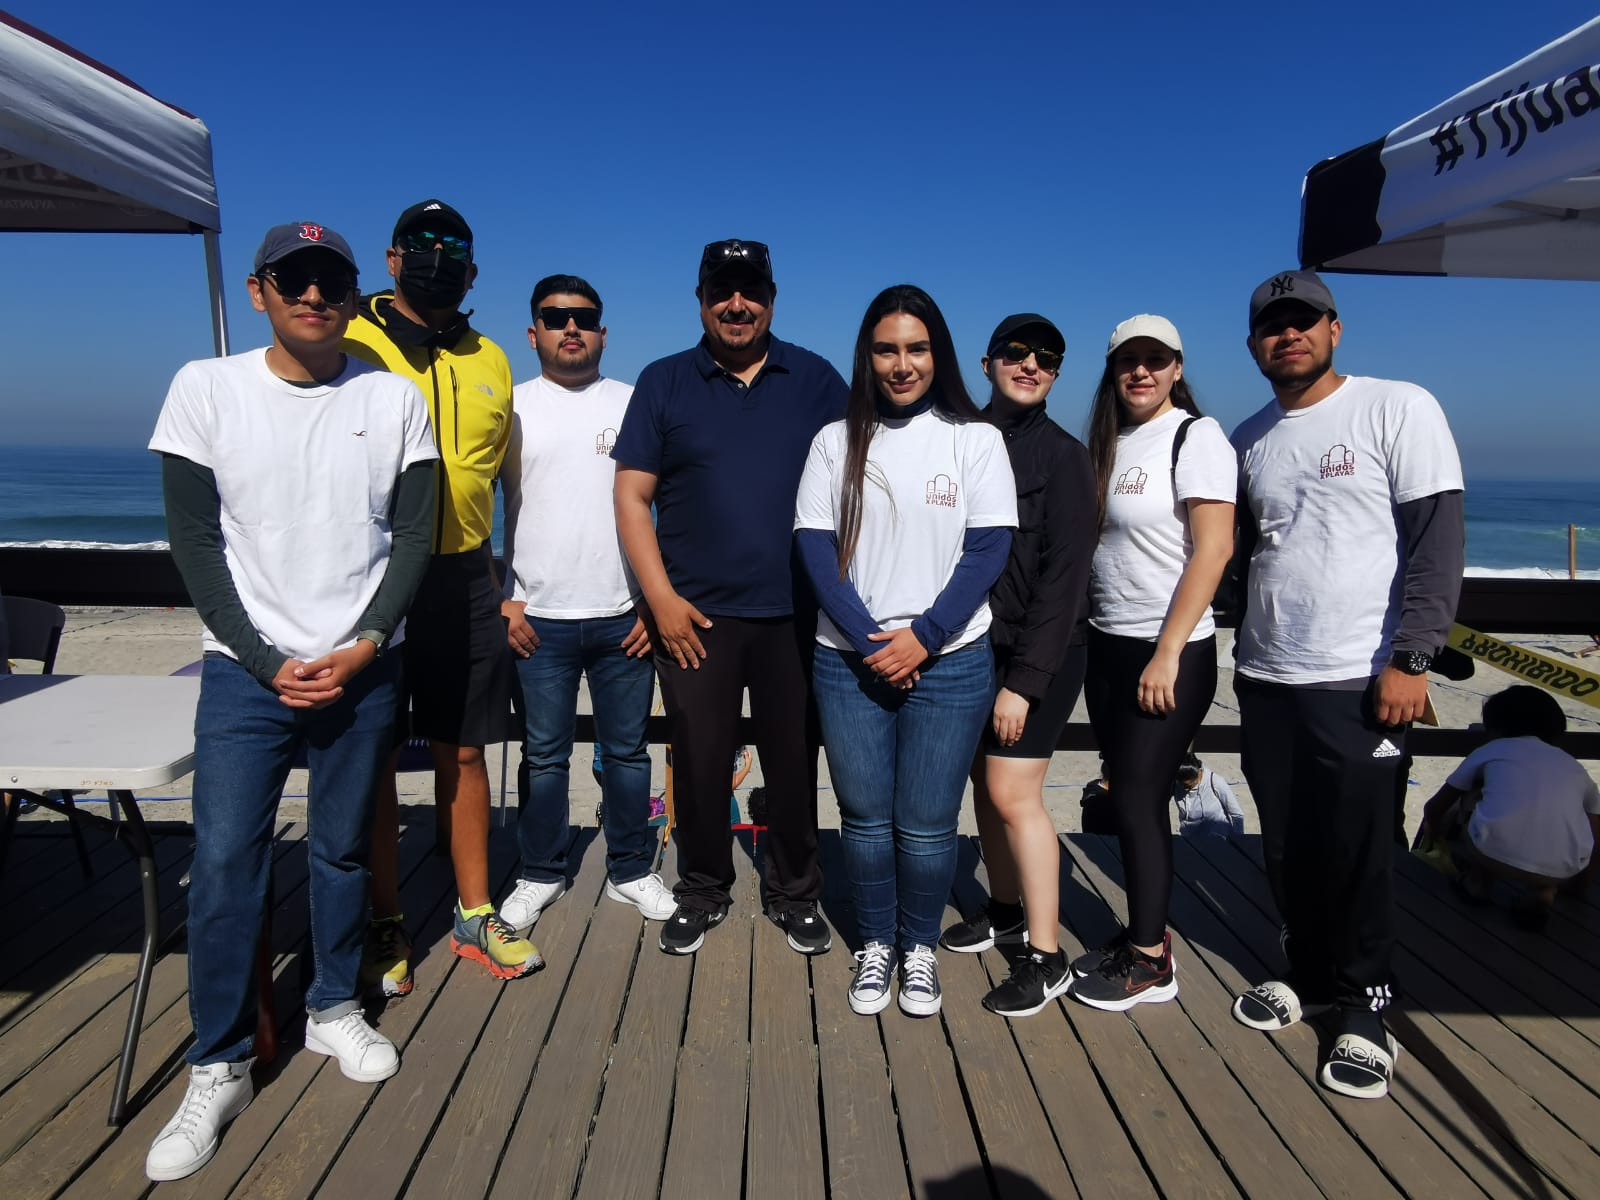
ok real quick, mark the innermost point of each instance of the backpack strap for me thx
(1177, 442)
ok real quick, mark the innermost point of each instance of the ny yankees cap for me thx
(434, 215)
(1306, 287)
(1146, 325)
(1050, 338)
(284, 240)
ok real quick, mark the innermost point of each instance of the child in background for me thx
(1519, 808)
(1206, 804)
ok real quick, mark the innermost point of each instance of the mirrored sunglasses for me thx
(425, 241)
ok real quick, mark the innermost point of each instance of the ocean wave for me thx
(70, 545)
(1526, 573)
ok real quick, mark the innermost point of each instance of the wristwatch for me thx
(1411, 662)
(375, 637)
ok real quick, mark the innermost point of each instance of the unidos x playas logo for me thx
(1339, 460)
(941, 491)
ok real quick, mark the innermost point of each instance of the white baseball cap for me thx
(1146, 325)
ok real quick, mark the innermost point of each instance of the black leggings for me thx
(1142, 753)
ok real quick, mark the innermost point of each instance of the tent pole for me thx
(219, 311)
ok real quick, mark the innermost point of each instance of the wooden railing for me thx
(149, 579)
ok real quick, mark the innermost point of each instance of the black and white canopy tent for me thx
(1502, 180)
(84, 150)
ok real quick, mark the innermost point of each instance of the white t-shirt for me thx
(1145, 543)
(928, 481)
(1534, 814)
(562, 552)
(306, 477)
(1324, 484)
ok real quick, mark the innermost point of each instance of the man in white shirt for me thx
(1352, 528)
(570, 610)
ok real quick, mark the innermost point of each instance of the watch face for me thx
(1412, 662)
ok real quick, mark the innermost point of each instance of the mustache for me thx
(742, 317)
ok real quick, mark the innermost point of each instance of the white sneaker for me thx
(647, 893)
(527, 900)
(364, 1054)
(217, 1094)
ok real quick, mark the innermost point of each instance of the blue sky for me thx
(1006, 158)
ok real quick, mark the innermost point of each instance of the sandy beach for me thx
(159, 641)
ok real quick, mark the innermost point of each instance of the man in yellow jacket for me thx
(455, 648)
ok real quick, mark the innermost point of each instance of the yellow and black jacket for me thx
(466, 381)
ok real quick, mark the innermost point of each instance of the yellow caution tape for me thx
(1562, 678)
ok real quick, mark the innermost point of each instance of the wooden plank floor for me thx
(619, 1072)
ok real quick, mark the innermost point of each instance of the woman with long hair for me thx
(1038, 604)
(1166, 479)
(903, 523)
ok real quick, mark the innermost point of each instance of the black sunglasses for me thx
(292, 283)
(555, 319)
(424, 241)
(719, 254)
(1017, 352)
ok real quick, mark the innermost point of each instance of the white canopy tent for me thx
(1502, 180)
(84, 150)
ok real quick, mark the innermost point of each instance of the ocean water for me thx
(71, 496)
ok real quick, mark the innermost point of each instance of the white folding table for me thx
(110, 733)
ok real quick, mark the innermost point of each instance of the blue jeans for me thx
(620, 689)
(246, 740)
(899, 763)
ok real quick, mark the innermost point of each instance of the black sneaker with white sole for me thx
(1088, 963)
(1034, 982)
(1128, 977)
(994, 925)
(685, 930)
(1360, 1067)
(1272, 1006)
(804, 927)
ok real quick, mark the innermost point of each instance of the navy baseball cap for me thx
(1017, 322)
(1302, 287)
(284, 240)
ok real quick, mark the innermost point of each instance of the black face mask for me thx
(433, 280)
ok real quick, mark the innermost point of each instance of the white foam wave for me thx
(1525, 573)
(69, 545)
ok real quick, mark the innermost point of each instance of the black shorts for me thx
(1046, 718)
(457, 665)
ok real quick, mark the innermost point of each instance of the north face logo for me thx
(1339, 460)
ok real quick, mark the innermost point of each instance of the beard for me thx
(721, 336)
(1298, 375)
(570, 361)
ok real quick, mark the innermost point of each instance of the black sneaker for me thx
(1034, 982)
(1087, 964)
(1127, 978)
(807, 932)
(982, 931)
(685, 929)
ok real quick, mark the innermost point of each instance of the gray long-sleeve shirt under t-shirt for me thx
(194, 530)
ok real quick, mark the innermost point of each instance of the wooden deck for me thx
(620, 1072)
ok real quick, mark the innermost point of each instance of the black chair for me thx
(34, 633)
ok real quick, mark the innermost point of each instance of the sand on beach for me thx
(142, 641)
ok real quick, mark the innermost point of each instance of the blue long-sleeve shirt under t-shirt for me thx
(983, 557)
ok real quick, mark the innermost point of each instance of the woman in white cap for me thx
(1167, 480)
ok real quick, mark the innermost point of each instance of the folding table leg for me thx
(133, 834)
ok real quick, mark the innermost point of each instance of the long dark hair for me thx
(949, 394)
(1105, 420)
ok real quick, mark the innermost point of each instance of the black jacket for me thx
(1040, 601)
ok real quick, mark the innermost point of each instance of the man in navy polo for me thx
(716, 438)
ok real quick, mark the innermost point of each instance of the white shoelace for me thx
(196, 1099)
(354, 1026)
(921, 971)
(651, 887)
(872, 966)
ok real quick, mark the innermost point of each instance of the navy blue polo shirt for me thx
(728, 460)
